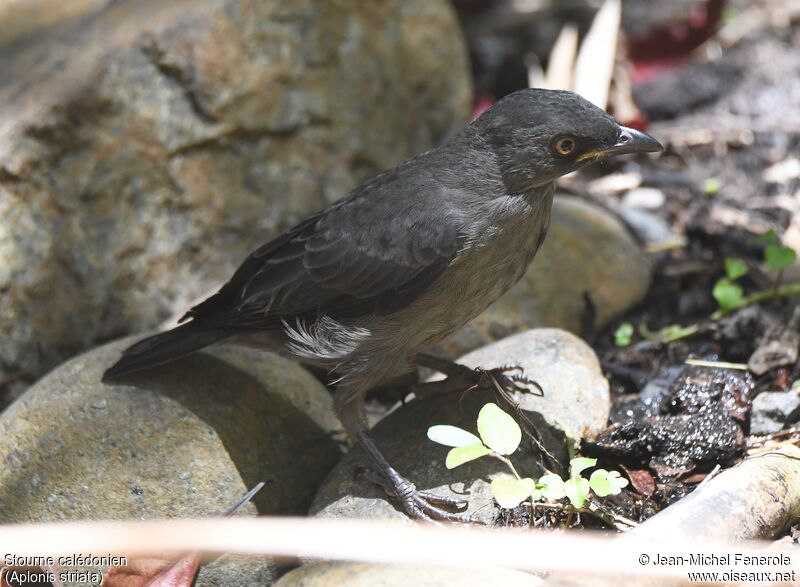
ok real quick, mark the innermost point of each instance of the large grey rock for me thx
(576, 399)
(401, 436)
(334, 574)
(147, 146)
(587, 250)
(576, 396)
(186, 439)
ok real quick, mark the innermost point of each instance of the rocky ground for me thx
(191, 131)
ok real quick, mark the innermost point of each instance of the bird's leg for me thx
(462, 378)
(421, 505)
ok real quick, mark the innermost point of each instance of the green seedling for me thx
(777, 258)
(499, 436)
(623, 334)
(711, 186)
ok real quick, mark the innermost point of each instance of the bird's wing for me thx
(366, 254)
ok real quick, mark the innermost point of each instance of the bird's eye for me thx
(565, 146)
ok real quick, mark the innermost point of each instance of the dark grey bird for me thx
(364, 285)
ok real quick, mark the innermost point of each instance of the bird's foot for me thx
(419, 505)
(502, 380)
(510, 378)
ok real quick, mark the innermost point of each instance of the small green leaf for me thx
(498, 430)
(605, 483)
(577, 490)
(552, 486)
(711, 186)
(452, 436)
(510, 492)
(729, 14)
(623, 334)
(579, 464)
(676, 332)
(735, 268)
(768, 238)
(729, 295)
(464, 454)
(779, 257)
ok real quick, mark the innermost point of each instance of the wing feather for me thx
(358, 257)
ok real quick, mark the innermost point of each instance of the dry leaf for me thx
(561, 63)
(594, 66)
(151, 572)
(641, 480)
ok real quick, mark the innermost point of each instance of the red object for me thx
(482, 103)
(639, 122)
(783, 379)
(670, 46)
(155, 573)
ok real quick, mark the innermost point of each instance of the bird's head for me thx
(540, 135)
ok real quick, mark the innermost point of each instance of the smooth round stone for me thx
(588, 250)
(334, 574)
(186, 439)
(651, 228)
(576, 400)
(644, 198)
(576, 395)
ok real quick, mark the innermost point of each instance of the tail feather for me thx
(163, 348)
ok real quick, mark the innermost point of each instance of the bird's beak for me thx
(629, 140)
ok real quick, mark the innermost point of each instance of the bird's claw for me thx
(509, 378)
(500, 380)
(423, 505)
(509, 368)
(420, 505)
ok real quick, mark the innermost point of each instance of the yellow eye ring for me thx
(565, 146)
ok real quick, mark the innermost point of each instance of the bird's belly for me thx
(469, 286)
(474, 286)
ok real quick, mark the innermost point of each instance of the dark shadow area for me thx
(241, 411)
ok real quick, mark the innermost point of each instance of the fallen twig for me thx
(355, 540)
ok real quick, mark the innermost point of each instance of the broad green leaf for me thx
(779, 257)
(498, 430)
(464, 454)
(728, 294)
(605, 483)
(452, 436)
(579, 464)
(735, 268)
(552, 486)
(510, 492)
(623, 334)
(577, 490)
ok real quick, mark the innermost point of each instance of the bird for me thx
(363, 286)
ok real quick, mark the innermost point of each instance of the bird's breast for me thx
(495, 257)
(501, 255)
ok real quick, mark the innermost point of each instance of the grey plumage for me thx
(406, 258)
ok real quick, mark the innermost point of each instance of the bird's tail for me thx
(163, 348)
